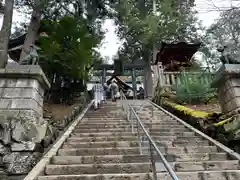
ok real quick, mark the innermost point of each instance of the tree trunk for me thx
(148, 80)
(32, 30)
(6, 32)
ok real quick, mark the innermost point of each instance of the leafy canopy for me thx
(69, 48)
(139, 27)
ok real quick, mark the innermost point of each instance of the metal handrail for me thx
(218, 144)
(152, 145)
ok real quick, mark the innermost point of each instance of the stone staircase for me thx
(102, 147)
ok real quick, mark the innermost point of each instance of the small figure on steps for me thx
(98, 94)
(114, 91)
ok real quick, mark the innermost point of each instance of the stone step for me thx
(201, 157)
(125, 123)
(106, 126)
(201, 166)
(110, 126)
(172, 133)
(155, 137)
(127, 129)
(132, 150)
(100, 159)
(160, 142)
(103, 119)
(103, 134)
(176, 138)
(84, 130)
(183, 143)
(114, 121)
(98, 151)
(139, 167)
(97, 168)
(181, 129)
(129, 144)
(136, 158)
(101, 138)
(103, 115)
(198, 175)
(101, 144)
(98, 134)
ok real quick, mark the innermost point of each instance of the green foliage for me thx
(69, 48)
(223, 32)
(140, 27)
(192, 90)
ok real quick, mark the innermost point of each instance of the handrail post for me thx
(153, 161)
(154, 145)
(131, 119)
(152, 111)
(139, 138)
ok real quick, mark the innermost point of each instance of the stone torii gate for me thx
(133, 70)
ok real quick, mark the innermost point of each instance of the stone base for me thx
(17, 113)
(22, 142)
(22, 89)
(229, 95)
(227, 81)
(22, 128)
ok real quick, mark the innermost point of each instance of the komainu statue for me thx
(32, 58)
(226, 57)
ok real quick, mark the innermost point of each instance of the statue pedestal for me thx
(22, 90)
(23, 130)
(227, 81)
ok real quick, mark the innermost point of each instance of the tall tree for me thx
(226, 32)
(223, 32)
(6, 32)
(56, 10)
(140, 28)
(69, 51)
(32, 29)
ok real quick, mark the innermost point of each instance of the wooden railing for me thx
(175, 78)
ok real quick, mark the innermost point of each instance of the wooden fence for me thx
(176, 78)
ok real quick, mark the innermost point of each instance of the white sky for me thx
(208, 12)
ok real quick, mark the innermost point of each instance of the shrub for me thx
(192, 91)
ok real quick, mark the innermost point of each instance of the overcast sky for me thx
(208, 12)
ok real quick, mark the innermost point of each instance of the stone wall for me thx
(230, 95)
(22, 90)
(227, 81)
(22, 127)
(21, 96)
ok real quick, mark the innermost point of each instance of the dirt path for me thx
(57, 111)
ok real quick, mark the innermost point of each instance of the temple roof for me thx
(181, 52)
(122, 85)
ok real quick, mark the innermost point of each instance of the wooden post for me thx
(104, 75)
(160, 74)
(134, 83)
